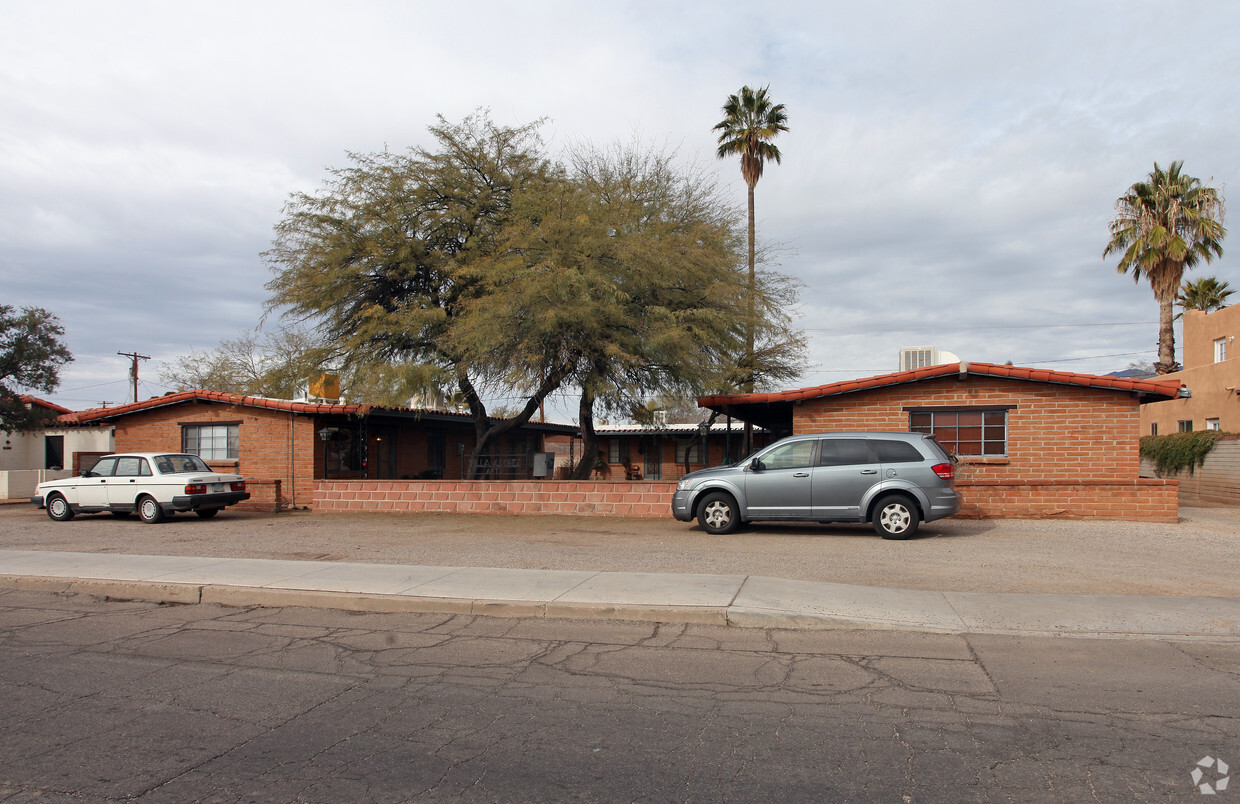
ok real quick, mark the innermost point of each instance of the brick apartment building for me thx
(1030, 442)
(284, 446)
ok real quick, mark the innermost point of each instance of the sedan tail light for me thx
(944, 470)
(239, 486)
(196, 488)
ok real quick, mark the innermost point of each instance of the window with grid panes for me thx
(981, 433)
(211, 442)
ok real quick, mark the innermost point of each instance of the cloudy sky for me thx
(947, 179)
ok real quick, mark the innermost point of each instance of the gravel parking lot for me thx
(1199, 555)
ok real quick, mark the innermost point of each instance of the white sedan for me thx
(153, 484)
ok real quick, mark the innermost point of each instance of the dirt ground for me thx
(1199, 555)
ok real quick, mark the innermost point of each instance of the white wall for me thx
(26, 450)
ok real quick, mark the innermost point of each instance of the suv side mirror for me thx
(755, 465)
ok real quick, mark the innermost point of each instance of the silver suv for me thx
(894, 480)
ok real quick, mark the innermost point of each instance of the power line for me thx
(938, 328)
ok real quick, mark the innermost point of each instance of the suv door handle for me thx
(869, 471)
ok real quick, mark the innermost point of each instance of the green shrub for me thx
(1177, 451)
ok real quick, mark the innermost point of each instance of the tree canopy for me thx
(1162, 226)
(1205, 294)
(505, 271)
(32, 353)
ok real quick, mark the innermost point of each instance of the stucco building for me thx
(1211, 373)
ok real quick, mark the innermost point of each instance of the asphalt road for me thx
(1199, 555)
(140, 702)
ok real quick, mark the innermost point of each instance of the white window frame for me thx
(211, 442)
(1213, 424)
(1220, 350)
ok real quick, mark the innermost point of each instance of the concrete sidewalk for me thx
(739, 600)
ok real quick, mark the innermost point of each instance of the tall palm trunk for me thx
(1165, 287)
(747, 447)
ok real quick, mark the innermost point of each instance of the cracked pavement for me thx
(128, 701)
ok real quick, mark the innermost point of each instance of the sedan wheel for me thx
(58, 508)
(149, 510)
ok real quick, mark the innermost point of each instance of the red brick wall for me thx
(272, 445)
(594, 498)
(1054, 431)
(1072, 451)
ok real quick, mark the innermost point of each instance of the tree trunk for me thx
(747, 445)
(589, 439)
(1168, 282)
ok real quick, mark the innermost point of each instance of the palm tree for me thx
(749, 124)
(1205, 294)
(1162, 226)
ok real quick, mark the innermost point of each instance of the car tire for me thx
(718, 513)
(896, 517)
(58, 508)
(149, 510)
(206, 513)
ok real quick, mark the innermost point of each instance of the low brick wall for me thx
(265, 495)
(1144, 499)
(591, 497)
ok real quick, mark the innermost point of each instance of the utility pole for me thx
(133, 369)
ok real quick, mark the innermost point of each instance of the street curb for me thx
(736, 615)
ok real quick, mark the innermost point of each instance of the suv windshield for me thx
(180, 464)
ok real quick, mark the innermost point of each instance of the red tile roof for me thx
(1164, 388)
(43, 403)
(100, 414)
(95, 414)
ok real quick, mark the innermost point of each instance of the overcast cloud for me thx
(947, 178)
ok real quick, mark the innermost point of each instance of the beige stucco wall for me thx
(1213, 385)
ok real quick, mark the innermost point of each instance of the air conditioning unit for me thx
(915, 357)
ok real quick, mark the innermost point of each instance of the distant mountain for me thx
(1133, 374)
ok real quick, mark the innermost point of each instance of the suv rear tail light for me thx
(196, 488)
(944, 470)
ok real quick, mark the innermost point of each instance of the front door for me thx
(780, 488)
(92, 492)
(654, 458)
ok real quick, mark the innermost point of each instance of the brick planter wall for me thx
(1145, 499)
(594, 498)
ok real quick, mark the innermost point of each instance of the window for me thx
(103, 467)
(132, 467)
(1212, 424)
(1220, 350)
(789, 456)
(844, 452)
(211, 442)
(1185, 425)
(618, 451)
(1154, 428)
(897, 452)
(688, 450)
(977, 432)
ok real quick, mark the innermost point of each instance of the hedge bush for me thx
(1177, 451)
